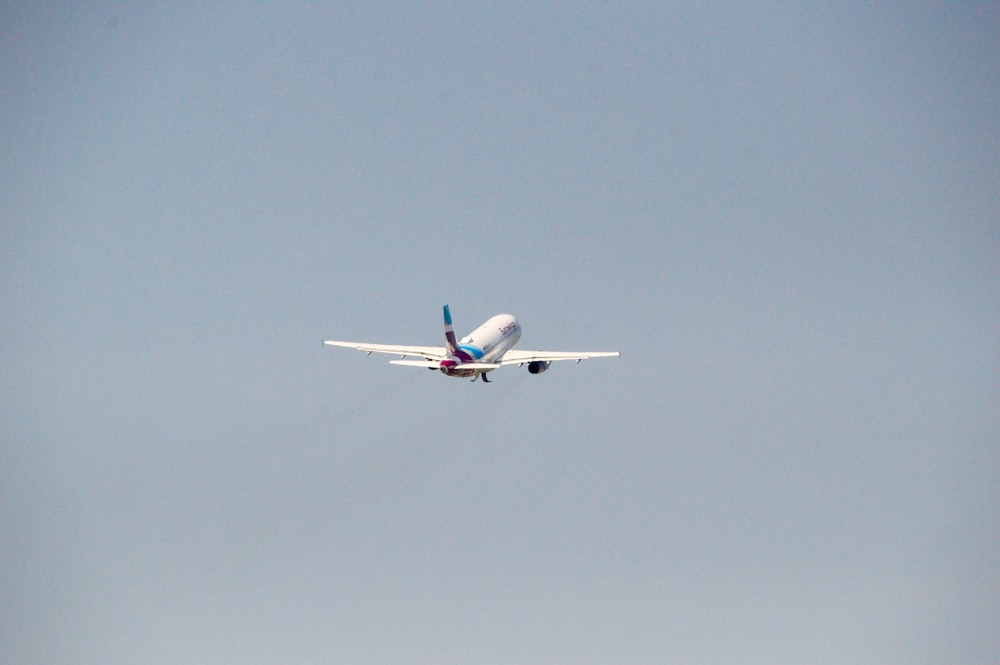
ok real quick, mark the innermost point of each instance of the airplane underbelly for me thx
(459, 372)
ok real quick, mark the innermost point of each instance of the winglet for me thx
(449, 333)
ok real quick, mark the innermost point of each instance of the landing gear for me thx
(481, 376)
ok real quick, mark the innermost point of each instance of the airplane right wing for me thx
(428, 352)
(515, 356)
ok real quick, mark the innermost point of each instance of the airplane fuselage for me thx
(485, 344)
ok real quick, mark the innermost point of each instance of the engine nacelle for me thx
(538, 366)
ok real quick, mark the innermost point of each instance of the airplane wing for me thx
(518, 357)
(428, 352)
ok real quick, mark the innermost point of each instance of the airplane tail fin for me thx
(449, 333)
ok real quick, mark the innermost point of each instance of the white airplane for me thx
(486, 348)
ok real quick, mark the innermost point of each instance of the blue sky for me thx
(785, 217)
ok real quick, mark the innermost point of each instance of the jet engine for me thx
(538, 366)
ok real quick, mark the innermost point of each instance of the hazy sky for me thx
(786, 218)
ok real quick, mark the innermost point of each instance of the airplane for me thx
(486, 348)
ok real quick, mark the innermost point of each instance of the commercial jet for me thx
(486, 348)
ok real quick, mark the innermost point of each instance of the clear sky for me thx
(786, 218)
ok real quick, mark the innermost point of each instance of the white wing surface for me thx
(428, 352)
(515, 356)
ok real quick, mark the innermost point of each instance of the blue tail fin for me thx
(449, 333)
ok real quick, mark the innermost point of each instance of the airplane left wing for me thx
(428, 352)
(517, 357)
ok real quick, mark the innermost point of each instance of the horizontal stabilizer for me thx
(477, 366)
(436, 364)
(431, 364)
